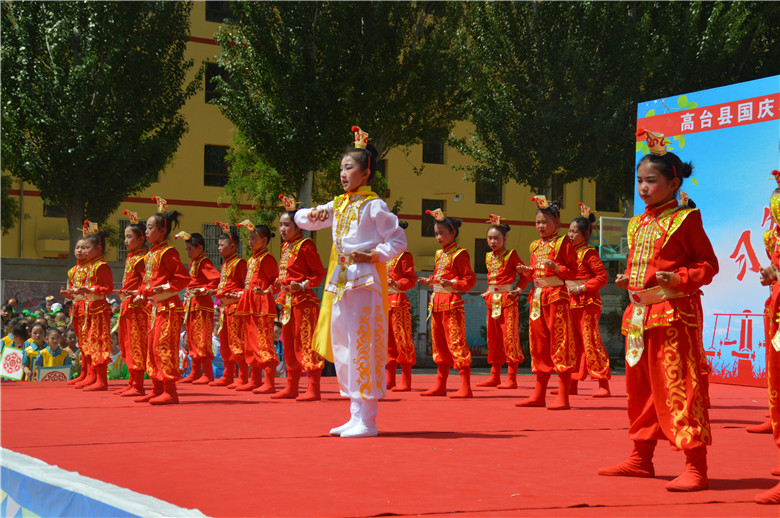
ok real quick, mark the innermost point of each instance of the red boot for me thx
(291, 390)
(169, 395)
(540, 389)
(511, 377)
(126, 387)
(564, 384)
(406, 379)
(440, 387)
(84, 369)
(208, 372)
(157, 389)
(694, 477)
(243, 374)
(760, 428)
(137, 379)
(494, 379)
(194, 373)
(255, 381)
(101, 379)
(391, 368)
(227, 376)
(639, 464)
(770, 496)
(268, 387)
(603, 390)
(465, 384)
(574, 387)
(90, 378)
(313, 392)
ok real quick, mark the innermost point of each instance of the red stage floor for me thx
(237, 454)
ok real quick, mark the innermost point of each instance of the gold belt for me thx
(390, 290)
(93, 298)
(548, 282)
(438, 288)
(345, 260)
(499, 288)
(635, 340)
(165, 295)
(654, 295)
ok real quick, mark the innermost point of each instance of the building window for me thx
(215, 167)
(219, 12)
(607, 199)
(555, 190)
(489, 191)
(427, 220)
(213, 70)
(433, 152)
(52, 211)
(121, 253)
(481, 249)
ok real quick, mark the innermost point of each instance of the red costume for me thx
(550, 330)
(231, 329)
(258, 311)
(586, 312)
(772, 341)
(503, 326)
(300, 262)
(133, 324)
(96, 327)
(448, 321)
(165, 276)
(400, 339)
(664, 381)
(199, 319)
(76, 278)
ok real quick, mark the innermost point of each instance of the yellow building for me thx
(192, 185)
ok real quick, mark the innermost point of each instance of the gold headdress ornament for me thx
(541, 201)
(437, 214)
(132, 216)
(776, 176)
(247, 225)
(684, 198)
(90, 227)
(162, 204)
(495, 220)
(584, 210)
(183, 235)
(655, 141)
(361, 137)
(224, 226)
(288, 203)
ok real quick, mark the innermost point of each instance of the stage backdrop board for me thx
(732, 136)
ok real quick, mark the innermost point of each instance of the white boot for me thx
(354, 410)
(367, 425)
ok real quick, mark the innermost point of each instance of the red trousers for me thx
(259, 345)
(133, 328)
(231, 335)
(589, 348)
(666, 398)
(97, 337)
(448, 336)
(400, 340)
(772, 365)
(162, 360)
(200, 327)
(550, 337)
(503, 337)
(297, 335)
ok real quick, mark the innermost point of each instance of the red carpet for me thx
(239, 454)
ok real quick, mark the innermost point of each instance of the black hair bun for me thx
(504, 227)
(592, 217)
(403, 224)
(455, 222)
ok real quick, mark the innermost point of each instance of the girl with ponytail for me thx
(586, 306)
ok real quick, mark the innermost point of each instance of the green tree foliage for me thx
(302, 73)
(91, 94)
(10, 207)
(553, 86)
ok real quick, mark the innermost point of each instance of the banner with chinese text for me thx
(732, 136)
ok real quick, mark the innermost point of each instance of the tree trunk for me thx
(75, 214)
(304, 195)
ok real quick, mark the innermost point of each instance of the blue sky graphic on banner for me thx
(731, 135)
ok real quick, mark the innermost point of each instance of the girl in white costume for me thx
(352, 325)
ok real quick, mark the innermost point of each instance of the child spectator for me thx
(52, 355)
(32, 347)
